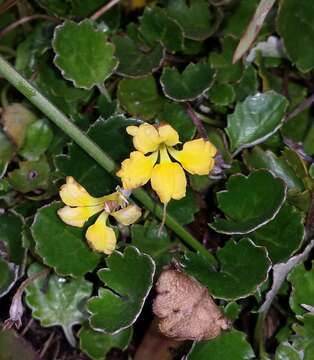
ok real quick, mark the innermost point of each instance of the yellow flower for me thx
(80, 206)
(167, 177)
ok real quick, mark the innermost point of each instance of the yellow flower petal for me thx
(145, 137)
(128, 215)
(77, 216)
(136, 170)
(168, 135)
(73, 194)
(100, 236)
(196, 156)
(169, 182)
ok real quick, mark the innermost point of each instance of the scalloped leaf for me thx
(292, 16)
(156, 26)
(85, 169)
(188, 85)
(183, 210)
(83, 53)
(129, 278)
(256, 119)
(134, 62)
(246, 202)
(235, 279)
(97, 345)
(279, 166)
(57, 301)
(285, 351)
(229, 345)
(140, 97)
(62, 246)
(304, 337)
(282, 236)
(195, 19)
(302, 282)
(8, 276)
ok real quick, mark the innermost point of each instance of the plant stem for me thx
(92, 149)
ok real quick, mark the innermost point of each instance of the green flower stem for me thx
(55, 115)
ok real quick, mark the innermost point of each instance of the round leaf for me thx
(292, 15)
(57, 301)
(96, 344)
(282, 236)
(62, 246)
(243, 269)
(140, 97)
(247, 204)
(190, 84)
(129, 277)
(230, 345)
(134, 62)
(195, 19)
(83, 54)
(302, 282)
(8, 276)
(256, 119)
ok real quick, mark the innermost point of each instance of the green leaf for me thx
(222, 94)
(37, 140)
(32, 175)
(134, 62)
(304, 338)
(175, 115)
(83, 53)
(148, 240)
(286, 351)
(221, 62)
(256, 119)
(282, 236)
(184, 210)
(15, 347)
(247, 204)
(60, 91)
(292, 15)
(156, 26)
(57, 301)
(6, 153)
(8, 276)
(235, 279)
(62, 246)
(11, 225)
(57, 7)
(260, 159)
(188, 85)
(195, 19)
(97, 345)
(84, 169)
(229, 345)
(129, 278)
(302, 282)
(140, 97)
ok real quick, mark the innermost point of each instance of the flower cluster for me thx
(80, 206)
(154, 157)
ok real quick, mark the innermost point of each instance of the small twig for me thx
(197, 121)
(24, 20)
(29, 324)
(104, 9)
(46, 345)
(301, 107)
(6, 5)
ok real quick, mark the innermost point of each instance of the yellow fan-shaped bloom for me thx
(167, 176)
(80, 206)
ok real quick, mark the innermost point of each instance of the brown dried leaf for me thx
(185, 309)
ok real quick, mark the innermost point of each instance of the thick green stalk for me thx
(55, 115)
